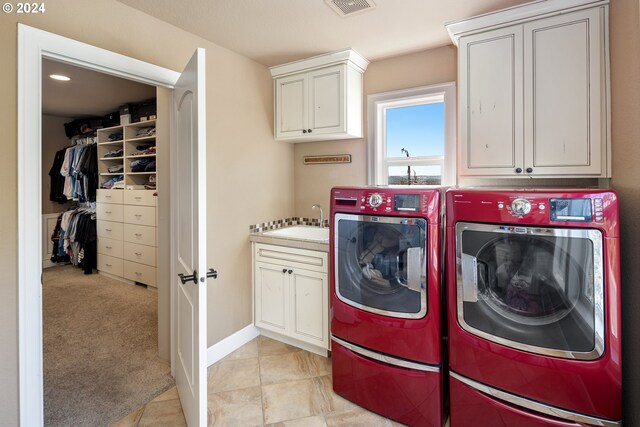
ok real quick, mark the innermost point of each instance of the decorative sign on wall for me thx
(323, 160)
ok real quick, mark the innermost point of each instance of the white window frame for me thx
(377, 145)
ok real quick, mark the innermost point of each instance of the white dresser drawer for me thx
(109, 212)
(111, 265)
(141, 215)
(140, 253)
(110, 247)
(142, 234)
(110, 229)
(109, 196)
(140, 197)
(140, 273)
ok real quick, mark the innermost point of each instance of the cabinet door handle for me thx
(135, 234)
(518, 170)
(310, 130)
(284, 270)
(138, 198)
(107, 212)
(529, 170)
(137, 215)
(108, 247)
(290, 271)
(304, 131)
(138, 253)
(108, 229)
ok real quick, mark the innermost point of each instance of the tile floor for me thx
(264, 383)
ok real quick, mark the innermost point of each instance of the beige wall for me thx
(53, 139)
(313, 182)
(625, 137)
(243, 185)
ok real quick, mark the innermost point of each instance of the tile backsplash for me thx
(287, 222)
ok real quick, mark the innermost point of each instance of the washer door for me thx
(535, 289)
(380, 264)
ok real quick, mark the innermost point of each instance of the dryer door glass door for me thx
(381, 264)
(535, 289)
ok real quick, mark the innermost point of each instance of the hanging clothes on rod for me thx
(75, 237)
(78, 171)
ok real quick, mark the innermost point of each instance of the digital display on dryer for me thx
(571, 210)
(406, 202)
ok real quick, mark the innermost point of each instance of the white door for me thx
(190, 291)
(491, 103)
(291, 106)
(327, 100)
(564, 107)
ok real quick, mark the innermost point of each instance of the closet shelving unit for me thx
(129, 144)
(127, 218)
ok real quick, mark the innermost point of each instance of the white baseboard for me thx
(231, 343)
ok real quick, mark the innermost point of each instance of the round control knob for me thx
(521, 206)
(375, 200)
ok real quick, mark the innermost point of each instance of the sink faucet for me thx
(321, 213)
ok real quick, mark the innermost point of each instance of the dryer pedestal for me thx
(409, 396)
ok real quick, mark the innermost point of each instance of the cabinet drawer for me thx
(109, 264)
(140, 197)
(140, 273)
(140, 215)
(109, 212)
(110, 247)
(109, 196)
(140, 234)
(109, 229)
(142, 254)
(300, 258)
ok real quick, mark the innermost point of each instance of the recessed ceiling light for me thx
(60, 77)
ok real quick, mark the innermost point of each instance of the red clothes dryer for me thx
(533, 295)
(386, 301)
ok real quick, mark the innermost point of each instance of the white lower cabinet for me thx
(127, 234)
(291, 295)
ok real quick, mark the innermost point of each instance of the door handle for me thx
(184, 279)
(213, 274)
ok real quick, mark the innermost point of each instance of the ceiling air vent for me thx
(346, 8)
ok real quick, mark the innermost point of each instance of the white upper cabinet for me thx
(319, 98)
(534, 95)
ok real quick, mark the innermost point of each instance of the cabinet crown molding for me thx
(346, 56)
(517, 14)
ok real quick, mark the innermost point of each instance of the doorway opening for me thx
(103, 340)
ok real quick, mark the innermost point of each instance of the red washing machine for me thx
(533, 291)
(386, 301)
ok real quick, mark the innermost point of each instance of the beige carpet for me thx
(100, 348)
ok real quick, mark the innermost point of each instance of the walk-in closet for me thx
(99, 166)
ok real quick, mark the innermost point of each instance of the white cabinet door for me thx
(271, 296)
(563, 80)
(291, 106)
(310, 307)
(491, 112)
(327, 100)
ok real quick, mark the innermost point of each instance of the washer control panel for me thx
(537, 207)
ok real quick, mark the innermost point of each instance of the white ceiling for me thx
(89, 93)
(274, 32)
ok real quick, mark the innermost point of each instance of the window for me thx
(412, 136)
